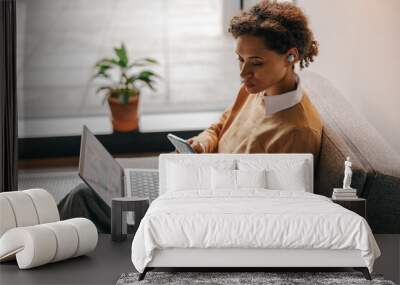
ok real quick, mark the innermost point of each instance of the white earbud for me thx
(290, 58)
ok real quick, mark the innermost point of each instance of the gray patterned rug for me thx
(243, 278)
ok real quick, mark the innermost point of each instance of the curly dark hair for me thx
(282, 25)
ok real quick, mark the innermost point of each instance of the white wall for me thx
(360, 54)
(229, 9)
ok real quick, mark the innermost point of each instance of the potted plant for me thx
(123, 88)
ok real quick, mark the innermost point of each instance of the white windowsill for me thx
(53, 127)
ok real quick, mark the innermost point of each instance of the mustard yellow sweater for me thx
(244, 128)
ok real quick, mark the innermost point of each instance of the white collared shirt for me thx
(283, 101)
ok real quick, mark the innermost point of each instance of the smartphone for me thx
(180, 144)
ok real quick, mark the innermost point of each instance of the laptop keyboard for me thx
(144, 183)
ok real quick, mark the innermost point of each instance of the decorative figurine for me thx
(347, 174)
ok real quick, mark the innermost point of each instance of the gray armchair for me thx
(376, 166)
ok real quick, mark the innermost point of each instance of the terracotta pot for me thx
(124, 116)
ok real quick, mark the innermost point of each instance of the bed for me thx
(241, 210)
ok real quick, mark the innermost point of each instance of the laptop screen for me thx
(99, 169)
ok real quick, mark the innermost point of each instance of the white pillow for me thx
(193, 174)
(251, 178)
(183, 177)
(292, 175)
(292, 179)
(223, 179)
(237, 179)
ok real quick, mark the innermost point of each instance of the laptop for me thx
(103, 174)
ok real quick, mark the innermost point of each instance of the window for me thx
(59, 42)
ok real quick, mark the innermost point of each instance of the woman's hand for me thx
(196, 145)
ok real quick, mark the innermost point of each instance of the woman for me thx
(271, 113)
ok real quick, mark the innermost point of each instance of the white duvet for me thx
(254, 218)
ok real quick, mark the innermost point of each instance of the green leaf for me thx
(143, 62)
(103, 88)
(147, 74)
(109, 61)
(150, 85)
(105, 75)
(148, 82)
(130, 79)
(103, 68)
(122, 56)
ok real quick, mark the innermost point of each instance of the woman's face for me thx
(260, 68)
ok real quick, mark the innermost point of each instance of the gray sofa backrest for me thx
(376, 166)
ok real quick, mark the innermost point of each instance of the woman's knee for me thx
(80, 192)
